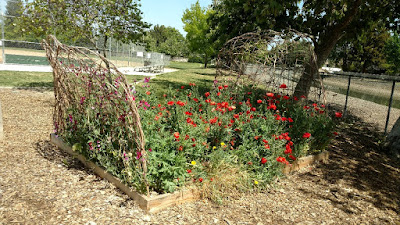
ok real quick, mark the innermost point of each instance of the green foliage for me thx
(392, 50)
(72, 21)
(166, 40)
(13, 11)
(198, 31)
(364, 52)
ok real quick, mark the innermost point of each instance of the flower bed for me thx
(194, 137)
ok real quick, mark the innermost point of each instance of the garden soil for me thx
(40, 184)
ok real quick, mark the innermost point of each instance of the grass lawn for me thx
(37, 79)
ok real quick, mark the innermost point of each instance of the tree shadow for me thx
(36, 86)
(56, 155)
(357, 161)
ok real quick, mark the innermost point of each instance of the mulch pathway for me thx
(39, 184)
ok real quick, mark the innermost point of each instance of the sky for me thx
(168, 12)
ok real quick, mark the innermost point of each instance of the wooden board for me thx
(1, 125)
(149, 204)
(306, 161)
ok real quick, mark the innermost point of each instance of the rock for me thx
(392, 143)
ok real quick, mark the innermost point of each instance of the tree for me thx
(363, 51)
(326, 20)
(166, 40)
(13, 12)
(392, 50)
(198, 30)
(89, 19)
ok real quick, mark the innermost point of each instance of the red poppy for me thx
(270, 94)
(306, 135)
(171, 103)
(282, 160)
(259, 101)
(188, 113)
(207, 94)
(189, 120)
(253, 109)
(257, 137)
(188, 171)
(335, 133)
(219, 93)
(338, 114)
(176, 135)
(180, 103)
(283, 86)
(236, 116)
(196, 100)
(265, 141)
(303, 96)
(214, 120)
(182, 87)
(148, 92)
(263, 160)
(290, 120)
(272, 106)
(180, 148)
(225, 86)
(286, 97)
(292, 157)
(220, 87)
(201, 179)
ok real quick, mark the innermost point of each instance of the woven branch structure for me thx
(81, 75)
(269, 58)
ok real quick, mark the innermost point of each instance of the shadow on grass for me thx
(356, 160)
(35, 86)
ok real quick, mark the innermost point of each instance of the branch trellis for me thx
(270, 59)
(90, 88)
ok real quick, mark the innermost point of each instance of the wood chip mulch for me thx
(39, 184)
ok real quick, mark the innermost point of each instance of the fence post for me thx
(3, 43)
(347, 97)
(390, 107)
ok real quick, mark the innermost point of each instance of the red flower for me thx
(219, 93)
(306, 135)
(182, 87)
(225, 86)
(176, 135)
(335, 133)
(180, 148)
(253, 109)
(171, 103)
(303, 96)
(270, 95)
(148, 92)
(282, 160)
(259, 101)
(189, 171)
(272, 106)
(214, 120)
(188, 113)
(286, 97)
(201, 179)
(338, 114)
(283, 86)
(265, 141)
(189, 120)
(236, 116)
(292, 157)
(263, 160)
(257, 137)
(196, 100)
(207, 94)
(220, 87)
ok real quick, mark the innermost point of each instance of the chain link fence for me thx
(17, 49)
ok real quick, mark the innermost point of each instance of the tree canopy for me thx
(166, 40)
(89, 19)
(198, 31)
(327, 21)
(392, 50)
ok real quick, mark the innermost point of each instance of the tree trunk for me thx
(104, 52)
(205, 60)
(322, 49)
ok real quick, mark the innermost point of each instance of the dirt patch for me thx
(41, 184)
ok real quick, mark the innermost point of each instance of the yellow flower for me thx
(214, 147)
(255, 182)
(222, 144)
(193, 163)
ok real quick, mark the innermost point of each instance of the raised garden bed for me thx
(156, 203)
(150, 204)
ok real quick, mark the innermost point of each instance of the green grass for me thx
(24, 59)
(188, 73)
(25, 79)
(185, 65)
